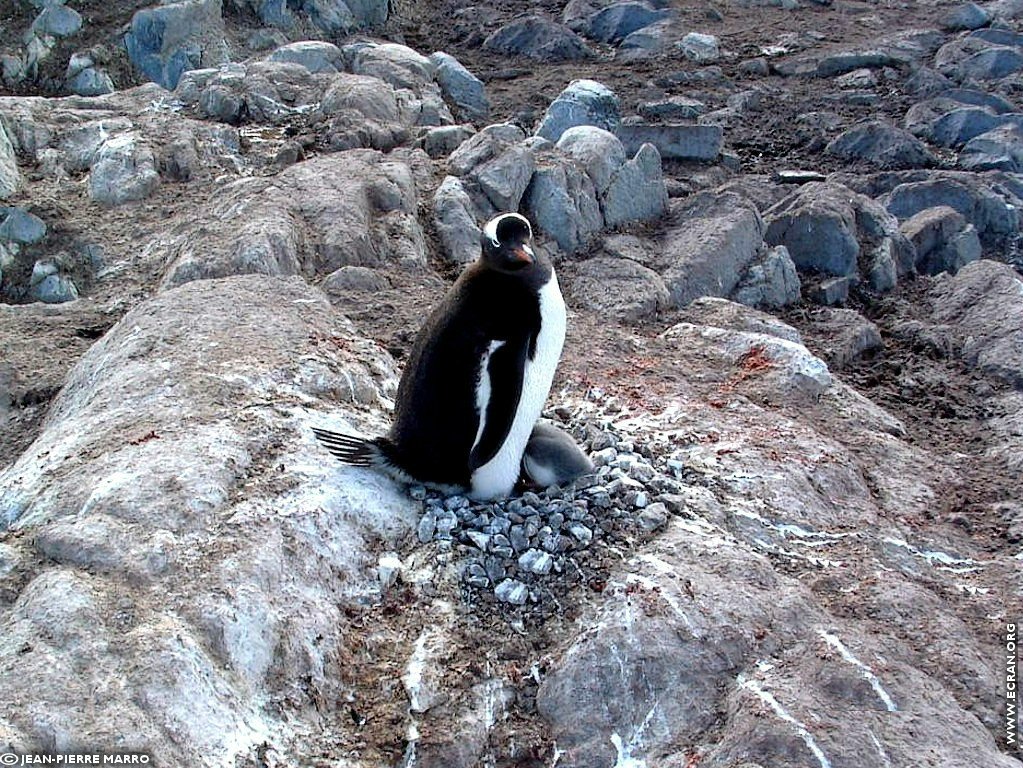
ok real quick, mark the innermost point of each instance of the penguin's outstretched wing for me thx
(506, 368)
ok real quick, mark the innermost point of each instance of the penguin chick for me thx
(552, 457)
(477, 376)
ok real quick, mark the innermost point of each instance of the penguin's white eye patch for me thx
(528, 250)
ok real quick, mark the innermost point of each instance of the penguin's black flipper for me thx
(506, 368)
(348, 449)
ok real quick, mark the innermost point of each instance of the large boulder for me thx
(883, 145)
(125, 170)
(943, 240)
(619, 20)
(830, 230)
(538, 38)
(617, 288)
(315, 55)
(455, 222)
(166, 41)
(981, 304)
(994, 213)
(461, 88)
(636, 191)
(181, 543)
(356, 208)
(711, 240)
(583, 102)
(562, 202)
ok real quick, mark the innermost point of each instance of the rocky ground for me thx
(788, 235)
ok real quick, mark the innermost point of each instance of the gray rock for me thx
(599, 152)
(10, 176)
(315, 55)
(165, 41)
(455, 223)
(364, 112)
(20, 226)
(831, 291)
(536, 561)
(956, 126)
(672, 108)
(883, 145)
(125, 170)
(991, 64)
(58, 21)
(998, 149)
(445, 139)
(843, 336)
(512, 591)
(699, 47)
(841, 63)
(721, 313)
(981, 304)
(538, 38)
(993, 216)
(756, 67)
(770, 282)
(12, 69)
(943, 240)
(644, 43)
(636, 191)
(619, 20)
(353, 208)
(653, 516)
(50, 287)
(619, 288)
(562, 202)
(675, 141)
(332, 16)
(91, 82)
(711, 241)
(583, 102)
(966, 16)
(483, 147)
(396, 64)
(462, 89)
(817, 225)
(141, 500)
(352, 279)
(504, 178)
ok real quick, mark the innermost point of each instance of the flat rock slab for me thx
(674, 141)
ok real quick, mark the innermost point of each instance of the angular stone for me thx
(583, 102)
(599, 152)
(966, 16)
(315, 55)
(125, 170)
(166, 41)
(58, 21)
(831, 291)
(699, 47)
(483, 146)
(672, 108)
(618, 288)
(619, 20)
(538, 38)
(91, 82)
(504, 179)
(712, 239)
(455, 223)
(20, 226)
(998, 149)
(644, 43)
(674, 141)
(443, 140)
(461, 88)
(943, 240)
(771, 282)
(883, 145)
(818, 227)
(10, 176)
(561, 201)
(991, 214)
(636, 191)
(840, 63)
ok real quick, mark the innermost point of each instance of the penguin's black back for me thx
(435, 420)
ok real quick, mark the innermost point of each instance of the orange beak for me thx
(522, 255)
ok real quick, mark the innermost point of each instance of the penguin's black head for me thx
(506, 240)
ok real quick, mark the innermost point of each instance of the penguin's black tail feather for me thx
(348, 449)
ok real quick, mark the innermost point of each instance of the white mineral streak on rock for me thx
(865, 670)
(779, 710)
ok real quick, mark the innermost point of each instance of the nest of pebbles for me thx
(524, 549)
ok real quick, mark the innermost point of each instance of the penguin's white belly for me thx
(498, 476)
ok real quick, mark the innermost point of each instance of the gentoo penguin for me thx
(552, 457)
(478, 373)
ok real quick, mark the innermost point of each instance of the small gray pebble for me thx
(500, 546)
(519, 538)
(512, 591)
(495, 568)
(476, 576)
(581, 533)
(427, 527)
(536, 561)
(481, 540)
